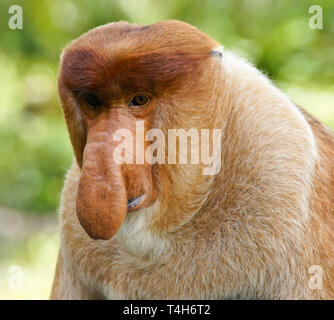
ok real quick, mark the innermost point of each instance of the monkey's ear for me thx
(217, 53)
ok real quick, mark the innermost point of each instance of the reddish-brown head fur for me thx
(115, 62)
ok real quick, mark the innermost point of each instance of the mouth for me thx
(134, 203)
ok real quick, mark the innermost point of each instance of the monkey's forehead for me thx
(163, 37)
(161, 53)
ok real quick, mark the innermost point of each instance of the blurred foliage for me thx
(28, 252)
(34, 145)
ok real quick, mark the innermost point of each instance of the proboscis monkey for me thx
(261, 228)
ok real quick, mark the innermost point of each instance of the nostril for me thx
(132, 203)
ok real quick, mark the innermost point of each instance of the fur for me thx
(250, 232)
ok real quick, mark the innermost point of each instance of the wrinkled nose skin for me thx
(105, 187)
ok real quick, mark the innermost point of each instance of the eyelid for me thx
(82, 95)
(148, 96)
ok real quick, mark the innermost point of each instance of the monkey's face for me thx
(118, 79)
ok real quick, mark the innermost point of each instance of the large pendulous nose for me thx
(102, 197)
(107, 190)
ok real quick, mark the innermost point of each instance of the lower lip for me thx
(133, 203)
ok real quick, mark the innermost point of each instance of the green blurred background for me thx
(35, 151)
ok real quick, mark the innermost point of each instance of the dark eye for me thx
(139, 100)
(92, 100)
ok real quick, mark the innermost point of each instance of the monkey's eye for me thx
(92, 100)
(139, 100)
